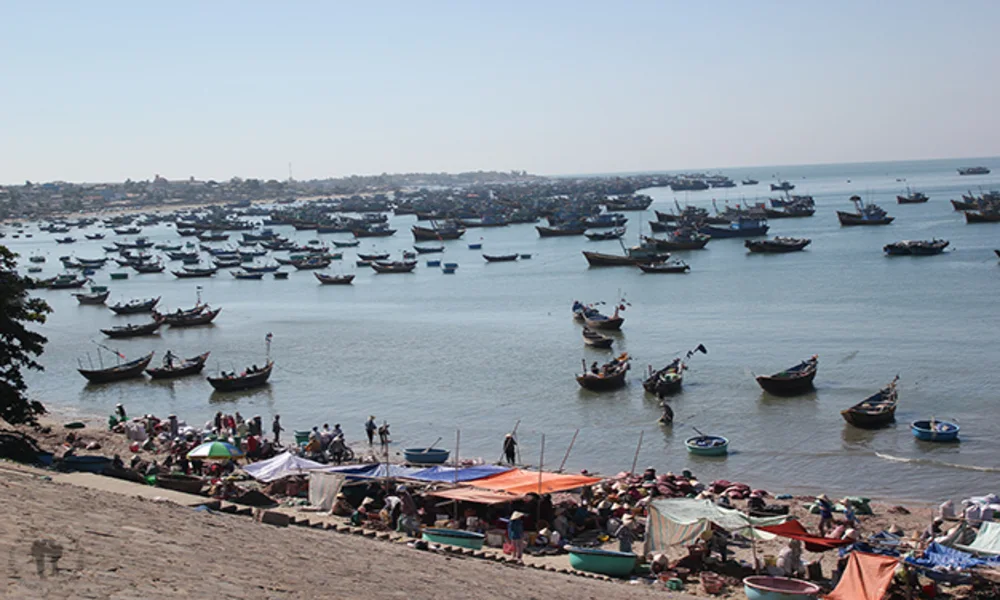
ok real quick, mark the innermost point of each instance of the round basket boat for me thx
(708, 445)
(425, 456)
(605, 562)
(935, 431)
(763, 587)
(454, 537)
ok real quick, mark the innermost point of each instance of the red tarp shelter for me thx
(866, 577)
(794, 530)
(469, 494)
(519, 481)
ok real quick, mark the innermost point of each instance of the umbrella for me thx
(215, 450)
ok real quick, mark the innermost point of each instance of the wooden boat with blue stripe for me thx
(875, 411)
(454, 537)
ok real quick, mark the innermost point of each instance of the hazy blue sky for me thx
(107, 90)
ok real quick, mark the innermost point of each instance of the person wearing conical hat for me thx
(370, 428)
(515, 533)
(825, 514)
(510, 448)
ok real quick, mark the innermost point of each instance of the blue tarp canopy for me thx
(948, 564)
(451, 474)
(376, 470)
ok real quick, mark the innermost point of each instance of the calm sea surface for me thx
(495, 343)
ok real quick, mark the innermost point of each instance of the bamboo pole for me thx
(541, 462)
(458, 441)
(638, 447)
(571, 442)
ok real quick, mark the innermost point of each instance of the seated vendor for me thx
(341, 507)
(790, 560)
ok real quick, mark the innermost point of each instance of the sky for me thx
(104, 91)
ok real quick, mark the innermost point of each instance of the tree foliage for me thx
(19, 346)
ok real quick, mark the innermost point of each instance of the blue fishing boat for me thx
(477, 246)
(935, 431)
(434, 263)
(764, 587)
(708, 445)
(454, 537)
(448, 270)
(426, 456)
(741, 227)
(605, 562)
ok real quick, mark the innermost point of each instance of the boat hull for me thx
(779, 588)
(707, 445)
(426, 456)
(596, 383)
(234, 384)
(603, 562)
(852, 219)
(869, 421)
(454, 537)
(941, 431)
(192, 366)
(129, 370)
(609, 324)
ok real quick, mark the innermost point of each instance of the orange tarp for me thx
(519, 481)
(866, 577)
(469, 494)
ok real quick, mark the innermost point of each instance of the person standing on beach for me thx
(120, 411)
(510, 448)
(515, 533)
(825, 514)
(625, 534)
(383, 434)
(370, 428)
(277, 429)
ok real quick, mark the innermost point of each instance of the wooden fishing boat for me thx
(867, 214)
(596, 320)
(707, 445)
(875, 411)
(912, 198)
(67, 282)
(380, 230)
(561, 230)
(679, 239)
(127, 370)
(92, 298)
(244, 381)
(188, 366)
(312, 263)
(428, 249)
(94, 236)
(376, 256)
(610, 376)
(203, 318)
(933, 430)
(261, 268)
(595, 339)
(426, 234)
(156, 267)
(666, 381)
(346, 244)
(777, 245)
(134, 306)
(127, 331)
(599, 236)
(65, 240)
(915, 248)
(216, 236)
(334, 279)
(394, 267)
(674, 266)
(190, 273)
(500, 257)
(454, 537)
(964, 205)
(792, 381)
(604, 562)
(982, 216)
(247, 275)
(599, 259)
(741, 227)
(181, 314)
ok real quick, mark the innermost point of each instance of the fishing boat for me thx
(261, 268)
(595, 339)
(500, 257)
(449, 231)
(376, 256)
(638, 202)
(604, 562)
(181, 314)
(127, 231)
(605, 221)
(156, 267)
(126, 370)
(912, 198)
(312, 263)
(595, 320)
(428, 249)
(280, 275)
(119, 276)
(454, 537)
(784, 186)
(67, 282)
(933, 430)
(707, 445)
(127, 331)
(248, 379)
(346, 244)
(247, 275)
(682, 238)
(193, 272)
(65, 240)
(394, 266)
(334, 279)
(875, 411)
(915, 248)
(741, 227)
(134, 306)
(964, 205)
(666, 381)
(94, 236)
(188, 366)
(673, 266)
(202, 318)
(93, 297)
(426, 456)
(974, 171)
(561, 230)
(476, 246)
(991, 215)
(610, 376)
(791, 210)
(213, 236)
(599, 236)
(777, 245)
(792, 381)
(749, 181)
(867, 214)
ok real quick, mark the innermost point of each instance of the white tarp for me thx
(679, 521)
(282, 465)
(323, 489)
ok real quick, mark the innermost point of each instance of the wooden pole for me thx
(541, 462)
(563, 463)
(458, 441)
(638, 447)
